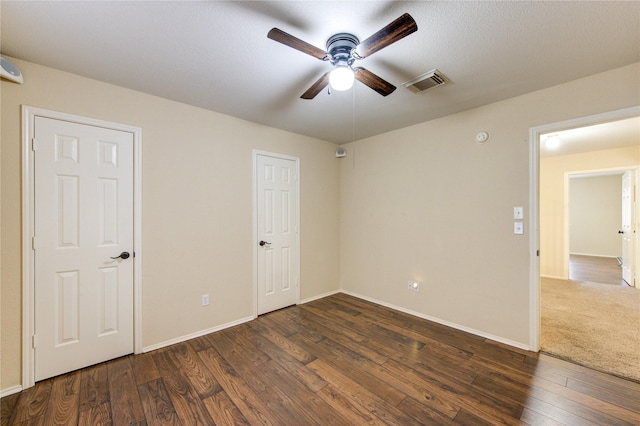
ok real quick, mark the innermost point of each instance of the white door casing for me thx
(627, 228)
(83, 218)
(635, 220)
(81, 206)
(277, 239)
(535, 134)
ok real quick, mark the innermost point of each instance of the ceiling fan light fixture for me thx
(341, 78)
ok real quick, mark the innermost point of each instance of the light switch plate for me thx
(518, 228)
(518, 212)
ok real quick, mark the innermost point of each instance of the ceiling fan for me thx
(343, 49)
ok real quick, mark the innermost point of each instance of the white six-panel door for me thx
(83, 205)
(277, 228)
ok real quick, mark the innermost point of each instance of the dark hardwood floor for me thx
(604, 270)
(335, 361)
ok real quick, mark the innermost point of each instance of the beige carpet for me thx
(591, 324)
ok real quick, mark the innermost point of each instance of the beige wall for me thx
(553, 200)
(427, 203)
(197, 205)
(595, 215)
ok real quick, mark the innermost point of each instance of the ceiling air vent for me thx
(425, 81)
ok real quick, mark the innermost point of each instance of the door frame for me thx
(534, 203)
(29, 115)
(255, 154)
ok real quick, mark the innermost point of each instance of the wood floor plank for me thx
(199, 343)
(423, 413)
(189, 408)
(531, 417)
(363, 348)
(355, 367)
(586, 406)
(7, 405)
(307, 327)
(192, 368)
(144, 368)
(539, 409)
(94, 387)
(582, 406)
(282, 342)
(280, 322)
(304, 400)
(32, 402)
(156, 403)
(63, 408)
(240, 338)
(329, 322)
(223, 411)
(337, 360)
(251, 407)
(243, 365)
(166, 361)
(362, 395)
(433, 345)
(288, 362)
(287, 410)
(616, 384)
(99, 415)
(628, 400)
(126, 407)
(458, 395)
(467, 418)
(36, 421)
(353, 412)
(372, 329)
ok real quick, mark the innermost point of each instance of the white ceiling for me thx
(615, 134)
(216, 54)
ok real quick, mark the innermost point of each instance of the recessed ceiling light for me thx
(552, 142)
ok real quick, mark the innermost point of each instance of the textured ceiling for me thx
(216, 55)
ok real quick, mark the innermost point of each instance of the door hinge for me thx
(33, 243)
(33, 144)
(34, 341)
(538, 253)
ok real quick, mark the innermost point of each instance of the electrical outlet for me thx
(205, 299)
(413, 286)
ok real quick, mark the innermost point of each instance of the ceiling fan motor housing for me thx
(340, 46)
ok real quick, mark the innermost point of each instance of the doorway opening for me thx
(601, 221)
(589, 145)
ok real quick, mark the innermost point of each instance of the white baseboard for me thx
(320, 296)
(499, 339)
(595, 255)
(553, 277)
(196, 334)
(10, 391)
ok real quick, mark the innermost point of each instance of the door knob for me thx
(263, 243)
(123, 255)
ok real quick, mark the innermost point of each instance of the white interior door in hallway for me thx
(628, 229)
(83, 259)
(277, 232)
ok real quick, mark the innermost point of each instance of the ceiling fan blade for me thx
(316, 87)
(294, 42)
(398, 29)
(373, 81)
